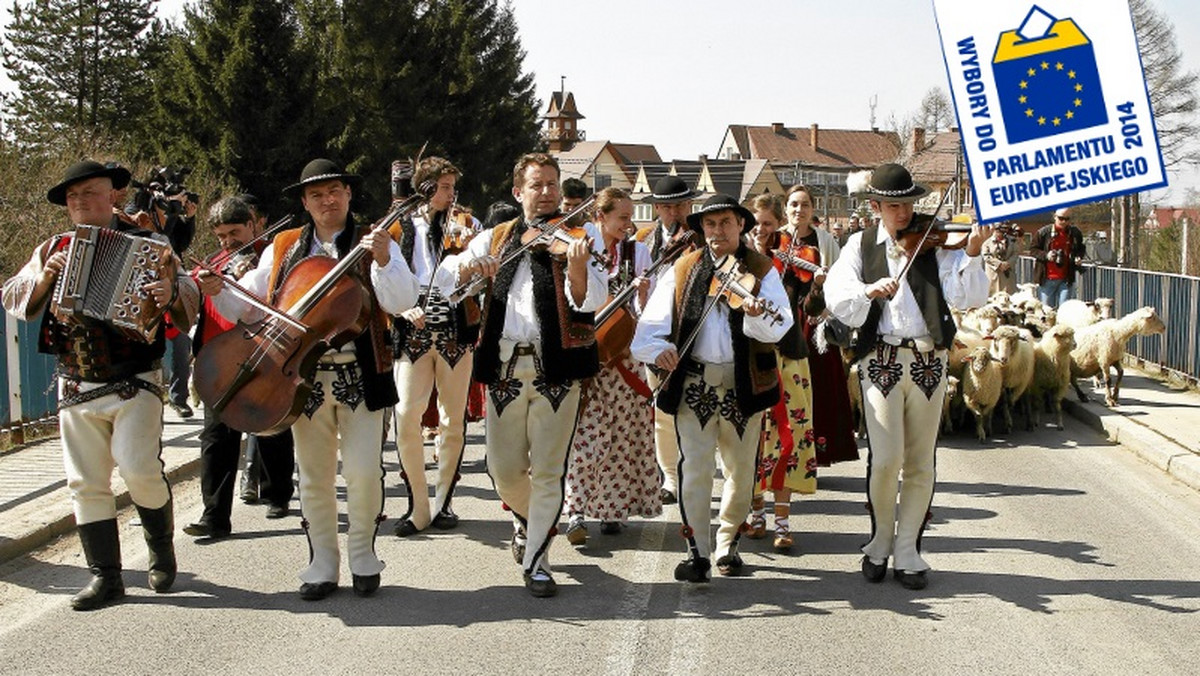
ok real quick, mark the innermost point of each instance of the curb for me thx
(62, 525)
(1153, 447)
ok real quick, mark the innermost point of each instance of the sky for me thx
(676, 73)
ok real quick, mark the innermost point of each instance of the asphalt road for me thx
(1050, 556)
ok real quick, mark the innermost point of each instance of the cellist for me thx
(353, 388)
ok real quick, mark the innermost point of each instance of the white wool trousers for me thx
(414, 381)
(704, 431)
(666, 443)
(109, 432)
(358, 434)
(528, 438)
(902, 390)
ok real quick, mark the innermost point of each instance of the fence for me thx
(1176, 297)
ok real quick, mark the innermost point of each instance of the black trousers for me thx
(220, 450)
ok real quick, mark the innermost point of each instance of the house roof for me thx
(633, 153)
(1164, 217)
(937, 162)
(562, 104)
(841, 148)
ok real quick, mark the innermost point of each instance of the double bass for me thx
(257, 377)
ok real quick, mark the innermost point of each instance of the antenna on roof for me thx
(874, 102)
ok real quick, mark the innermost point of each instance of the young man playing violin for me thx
(672, 200)
(719, 355)
(904, 329)
(353, 387)
(537, 343)
(434, 342)
(232, 221)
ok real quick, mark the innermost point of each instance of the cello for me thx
(257, 377)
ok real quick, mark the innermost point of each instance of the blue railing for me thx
(1176, 297)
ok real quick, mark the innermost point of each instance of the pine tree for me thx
(81, 68)
(449, 73)
(234, 96)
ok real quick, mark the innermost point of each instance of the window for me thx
(643, 212)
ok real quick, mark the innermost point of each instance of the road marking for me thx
(631, 612)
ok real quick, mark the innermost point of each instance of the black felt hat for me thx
(893, 183)
(721, 202)
(670, 189)
(319, 171)
(82, 171)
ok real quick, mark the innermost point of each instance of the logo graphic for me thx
(1047, 79)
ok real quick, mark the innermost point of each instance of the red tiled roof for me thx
(1166, 216)
(937, 161)
(842, 148)
(632, 153)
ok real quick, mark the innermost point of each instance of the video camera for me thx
(164, 184)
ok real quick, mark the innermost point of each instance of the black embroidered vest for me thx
(926, 286)
(756, 376)
(568, 349)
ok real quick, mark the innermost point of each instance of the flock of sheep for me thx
(1017, 354)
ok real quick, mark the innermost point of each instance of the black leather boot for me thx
(102, 547)
(159, 527)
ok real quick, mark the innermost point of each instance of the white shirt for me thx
(520, 320)
(964, 284)
(714, 342)
(641, 261)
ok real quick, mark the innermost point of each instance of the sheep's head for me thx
(1148, 321)
(978, 359)
(1104, 307)
(1004, 341)
(1061, 337)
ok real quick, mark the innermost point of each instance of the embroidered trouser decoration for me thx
(415, 379)
(699, 444)
(527, 442)
(358, 434)
(902, 428)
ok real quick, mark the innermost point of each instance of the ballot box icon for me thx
(1047, 79)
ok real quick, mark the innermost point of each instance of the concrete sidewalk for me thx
(1156, 421)
(35, 505)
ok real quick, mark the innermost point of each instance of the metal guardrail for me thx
(1176, 297)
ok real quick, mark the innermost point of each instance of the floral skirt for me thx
(613, 471)
(787, 453)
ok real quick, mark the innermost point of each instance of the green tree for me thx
(234, 96)
(408, 72)
(81, 68)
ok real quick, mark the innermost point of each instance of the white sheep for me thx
(982, 319)
(1013, 348)
(965, 340)
(982, 383)
(952, 399)
(1078, 313)
(1102, 345)
(1052, 368)
(1028, 291)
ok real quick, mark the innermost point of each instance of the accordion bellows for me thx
(103, 280)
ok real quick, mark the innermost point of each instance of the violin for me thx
(941, 234)
(458, 232)
(545, 236)
(804, 260)
(737, 285)
(616, 322)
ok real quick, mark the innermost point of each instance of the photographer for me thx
(162, 204)
(1058, 249)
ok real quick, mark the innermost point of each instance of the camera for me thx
(162, 188)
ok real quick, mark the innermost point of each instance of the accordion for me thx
(103, 279)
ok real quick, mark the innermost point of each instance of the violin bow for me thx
(687, 344)
(928, 229)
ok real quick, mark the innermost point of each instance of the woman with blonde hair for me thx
(613, 471)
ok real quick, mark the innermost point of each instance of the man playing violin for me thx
(353, 387)
(110, 392)
(537, 343)
(232, 221)
(434, 343)
(721, 369)
(672, 200)
(904, 330)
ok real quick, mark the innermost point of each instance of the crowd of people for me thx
(617, 368)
